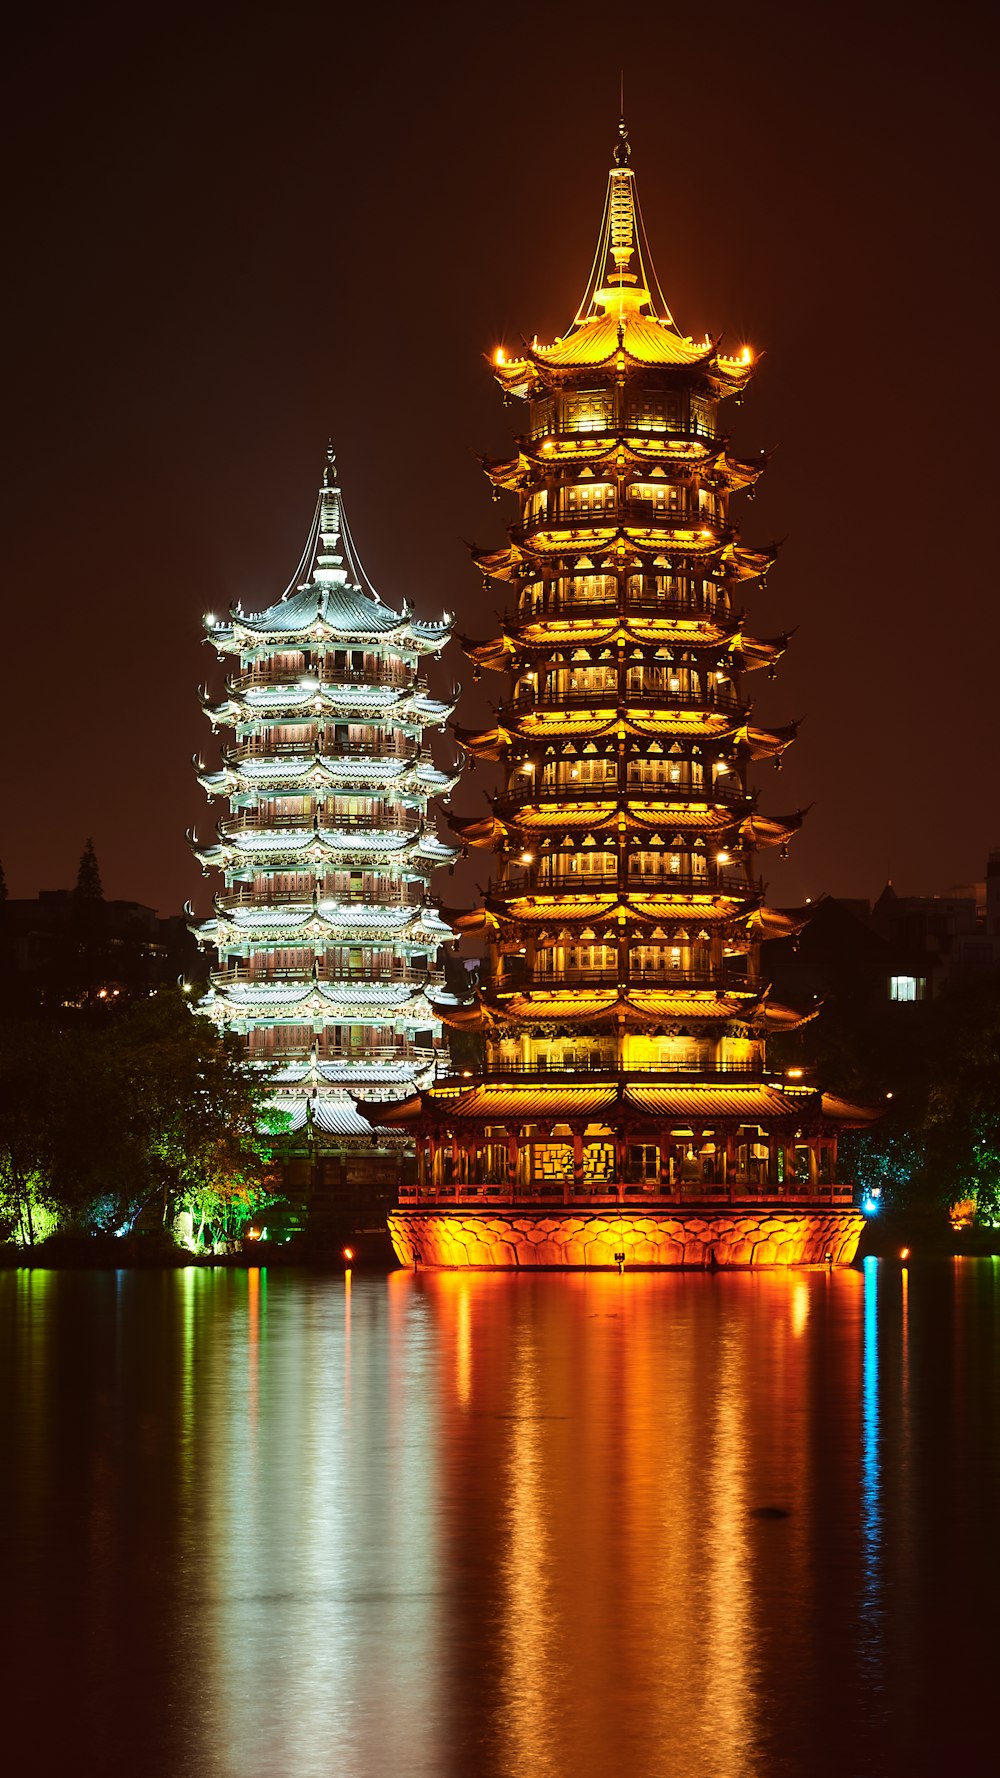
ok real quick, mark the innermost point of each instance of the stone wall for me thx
(491, 1239)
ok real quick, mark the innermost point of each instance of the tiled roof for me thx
(557, 1100)
(645, 339)
(344, 608)
(748, 1102)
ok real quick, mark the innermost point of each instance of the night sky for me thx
(233, 232)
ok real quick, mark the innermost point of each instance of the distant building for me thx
(901, 948)
(60, 950)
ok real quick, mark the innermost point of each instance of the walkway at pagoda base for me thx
(699, 1236)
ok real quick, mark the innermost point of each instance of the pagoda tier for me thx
(326, 938)
(623, 1017)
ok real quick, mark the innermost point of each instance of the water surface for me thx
(685, 1526)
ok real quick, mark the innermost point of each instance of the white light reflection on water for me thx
(320, 1533)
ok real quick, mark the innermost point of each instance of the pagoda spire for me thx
(330, 557)
(623, 279)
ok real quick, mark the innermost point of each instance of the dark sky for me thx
(233, 232)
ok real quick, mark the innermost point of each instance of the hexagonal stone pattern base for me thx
(523, 1239)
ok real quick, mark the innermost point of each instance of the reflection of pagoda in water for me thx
(326, 940)
(625, 1107)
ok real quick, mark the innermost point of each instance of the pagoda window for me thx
(584, 589)
(579, 864)
(585, 500)
(683, 1053)
(643, 588)
(541, 417)
(585, 410)
(664, 960)
(583, 771)
(663, 496)
(652, 412)
(293, 960)
(642, 1163)
(703, 418)
(572, 681)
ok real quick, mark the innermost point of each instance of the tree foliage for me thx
(933, 1068)
(105, 1124)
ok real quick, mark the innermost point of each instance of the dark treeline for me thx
(933, 1069)
(122, 1121)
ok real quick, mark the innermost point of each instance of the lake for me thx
(552, 1526)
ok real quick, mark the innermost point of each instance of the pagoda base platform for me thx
(577, 1240)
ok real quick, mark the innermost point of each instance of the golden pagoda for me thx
(625, 1112)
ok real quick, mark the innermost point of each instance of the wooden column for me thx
(577, 1160)
(620, 1147)
(513, 1152)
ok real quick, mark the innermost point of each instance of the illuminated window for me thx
(586, 410)
(907, 987)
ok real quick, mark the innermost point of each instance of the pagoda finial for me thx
(623, 147)
(330, 472)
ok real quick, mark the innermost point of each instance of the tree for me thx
(31, 1059)
(103, 1124)
(88, 876)
(191, 1109)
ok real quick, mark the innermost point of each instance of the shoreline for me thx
(885, 1237)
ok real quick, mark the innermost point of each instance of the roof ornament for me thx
(623, 147)
(330, 472)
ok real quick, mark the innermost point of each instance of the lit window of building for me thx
(907, 987)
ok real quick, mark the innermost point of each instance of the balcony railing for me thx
(394, 972)
(605, 605)
(378, 821)
(627, 428)
(633, 975)
(305, 679)
(527, 787)
(715, 882)
(419, 1054)
(498, 1069)
(383, 893)
(404, 747)
(636, 514)
(692, 1192)
(553, 698)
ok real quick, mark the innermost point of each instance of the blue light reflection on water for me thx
(871, 1477)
